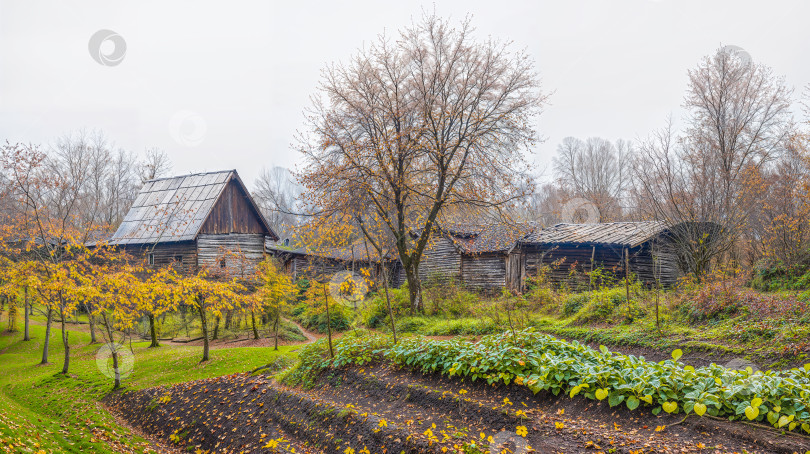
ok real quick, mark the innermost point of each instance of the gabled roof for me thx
(174, 209)
(629, 234)
(482, 238)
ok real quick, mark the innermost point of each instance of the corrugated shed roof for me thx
(629, 234)
(174, 208)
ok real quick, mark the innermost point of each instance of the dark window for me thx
(222, 263)
(178, 259)
(151, 259)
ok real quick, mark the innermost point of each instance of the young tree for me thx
(118, 295)
(209, 296)
(160, 294)
(275, 291)
(416, 126)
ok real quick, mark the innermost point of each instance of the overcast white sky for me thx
(222, 85)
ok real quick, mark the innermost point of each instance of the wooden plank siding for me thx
(644, 262)
(240, 253)
(440, 262)
(485, 271)
(182, 255)
(233, 213)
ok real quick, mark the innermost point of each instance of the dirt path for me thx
(311, 337)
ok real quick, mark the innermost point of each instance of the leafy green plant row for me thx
(544, 363)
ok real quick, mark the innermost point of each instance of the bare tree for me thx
(156, 164)
(279, 197)
(713, 174)
(596, 170)
(419, 125)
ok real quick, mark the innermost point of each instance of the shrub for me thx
(312, 313)
(375, 314)
(574, 302)
(445, 296)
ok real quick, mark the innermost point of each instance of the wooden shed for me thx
(480, 256)
(193, 221)
(576, 249)
(303, 262)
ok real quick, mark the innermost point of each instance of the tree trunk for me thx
(65, 344)
(12, 314)
(216, 328)
(204, 333)
(275, 328)
(27, 313)
(328, 321)
(253, 320)
(414, 289)
(388, 301)
(153, 331)
(116, 369)
(228, 319)
(47, 337)
(92, 321)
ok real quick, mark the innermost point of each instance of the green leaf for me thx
(615, 399)
(700, 409)
(669, 407)
(676, 355)
(601, 393)
(752, 413)
(632, 402)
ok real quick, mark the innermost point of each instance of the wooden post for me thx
(627, 277)
(590, 274)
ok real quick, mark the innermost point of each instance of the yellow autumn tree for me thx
(210, 297)
(275, 291)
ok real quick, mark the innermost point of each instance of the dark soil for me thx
(385, 410)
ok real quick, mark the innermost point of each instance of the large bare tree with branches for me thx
(413, 127)
(712, 175)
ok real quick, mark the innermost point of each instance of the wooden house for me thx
(572, 250)
(303, 262)
(194, 221)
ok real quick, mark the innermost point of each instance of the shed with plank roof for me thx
(204, 220)
(573, 250)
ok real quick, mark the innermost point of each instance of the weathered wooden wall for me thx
(440, 262)
(644, 262)
(241, 252)
(233, 213)
(484, 271)
(165, 254)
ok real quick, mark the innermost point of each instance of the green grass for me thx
(42, 410)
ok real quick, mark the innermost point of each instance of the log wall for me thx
(240, 253)
(182, 255)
